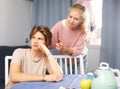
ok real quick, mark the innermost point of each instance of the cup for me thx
(90, 76)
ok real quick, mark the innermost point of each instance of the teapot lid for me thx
(104, 65)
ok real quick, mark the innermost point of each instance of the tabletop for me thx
(68, 81)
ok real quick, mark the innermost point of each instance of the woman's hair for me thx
(82, 9)
(44, 30)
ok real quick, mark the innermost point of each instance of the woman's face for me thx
(37, 38)
(74, 19)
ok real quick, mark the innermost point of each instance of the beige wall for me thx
(15, 21)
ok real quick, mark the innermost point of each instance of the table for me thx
(68, 81)
(71, 81)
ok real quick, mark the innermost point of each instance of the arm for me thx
(56, 40)
(55, 72)
(17, 76)
(56, 33)
(60, 47)
(15, 70)
(76, 49)
(79, 48)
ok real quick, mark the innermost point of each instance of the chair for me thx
(70, 69)
(7, 62)
(61, 59)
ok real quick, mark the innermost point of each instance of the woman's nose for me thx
(72, 20)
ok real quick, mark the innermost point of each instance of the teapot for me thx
(104, 77)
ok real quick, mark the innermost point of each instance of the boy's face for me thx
(37, 38)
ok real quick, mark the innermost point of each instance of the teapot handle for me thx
(104, 64)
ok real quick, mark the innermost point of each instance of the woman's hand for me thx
(60, 47)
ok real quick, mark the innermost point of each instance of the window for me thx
(95, 22)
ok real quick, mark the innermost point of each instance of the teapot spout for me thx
(117, 74)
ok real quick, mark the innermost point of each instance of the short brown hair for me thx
(44, 30)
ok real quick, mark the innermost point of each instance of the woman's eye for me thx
(70, 17)
(33, 37)
(76, 19)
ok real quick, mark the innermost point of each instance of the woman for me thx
(36, 63)
(69, 35)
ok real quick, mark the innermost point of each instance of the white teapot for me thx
(104, 77)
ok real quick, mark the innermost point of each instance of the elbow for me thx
(12, 79)
(59, 77)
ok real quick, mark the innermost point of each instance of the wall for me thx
(15, 21)
(93, 57)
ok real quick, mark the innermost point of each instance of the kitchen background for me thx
(17, 18)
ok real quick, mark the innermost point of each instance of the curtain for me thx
(48, 12)
(110, 36)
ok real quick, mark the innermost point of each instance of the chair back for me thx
(71, 64)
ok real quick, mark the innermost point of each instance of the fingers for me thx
(41, 48)
(59, 46)
(59, 41)
(44, 48)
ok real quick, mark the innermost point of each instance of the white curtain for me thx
(110, 45)
(48, 12)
